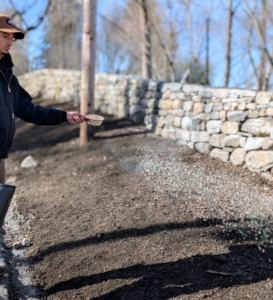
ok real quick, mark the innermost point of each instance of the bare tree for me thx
(166, 52)
(162, 44)
(115, 31)
(267, 74)
(259, 31)
(63, 40)
(256, 74)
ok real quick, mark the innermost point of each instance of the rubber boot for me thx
(6, 194)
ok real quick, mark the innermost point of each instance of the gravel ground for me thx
(133, 216)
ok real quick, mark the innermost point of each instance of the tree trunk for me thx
(258, 31)
(228, 44)
(146, 40)
(256, 75)
(88, 65)
(262, 78)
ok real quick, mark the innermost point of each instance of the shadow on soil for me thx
(122, 234)
(166, 280)
(243, 265)
(47, 136)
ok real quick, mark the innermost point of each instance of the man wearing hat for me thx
(16, 102)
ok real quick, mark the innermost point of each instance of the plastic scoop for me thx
(95, 120)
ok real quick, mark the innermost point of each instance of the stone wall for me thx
(62, 85)
(230, 124)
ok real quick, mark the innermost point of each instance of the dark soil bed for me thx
(103, 228)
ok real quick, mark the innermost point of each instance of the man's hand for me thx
(74, 117)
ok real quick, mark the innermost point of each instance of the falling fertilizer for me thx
(207, 193)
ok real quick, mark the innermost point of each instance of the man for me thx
(15, 101)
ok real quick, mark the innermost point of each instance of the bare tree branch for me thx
(185, 76)
(188, 71)
(236, 7)
(166, 51)
(164, 47)
(193, 57)
(131, 39)
(258, 29)
(251, 58)
(20, 14)
(265, 85)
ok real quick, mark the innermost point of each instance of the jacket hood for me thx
(6, 62)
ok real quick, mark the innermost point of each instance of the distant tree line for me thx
(194, 41)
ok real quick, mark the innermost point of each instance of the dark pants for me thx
(2, 170)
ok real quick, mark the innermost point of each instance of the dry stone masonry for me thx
(233, 125)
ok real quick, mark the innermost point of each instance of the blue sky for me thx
(216, 11)
(35, 37)
(218, 17)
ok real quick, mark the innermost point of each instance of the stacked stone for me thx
(230, 124)
(111, 94)
(127, 97)
(61, 85)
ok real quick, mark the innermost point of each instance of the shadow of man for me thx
(182, 277)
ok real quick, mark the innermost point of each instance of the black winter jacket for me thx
(15, 101)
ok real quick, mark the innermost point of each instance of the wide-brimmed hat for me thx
(6, 25)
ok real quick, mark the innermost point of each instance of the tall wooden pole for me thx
(207, 51)
(88, 66)
(228, 43)
(262, 66)
(146, 39)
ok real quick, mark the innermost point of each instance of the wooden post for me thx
(228, 43)
(146, 39)
(207, 51)
(88, 66)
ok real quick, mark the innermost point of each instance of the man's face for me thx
(6, 40)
